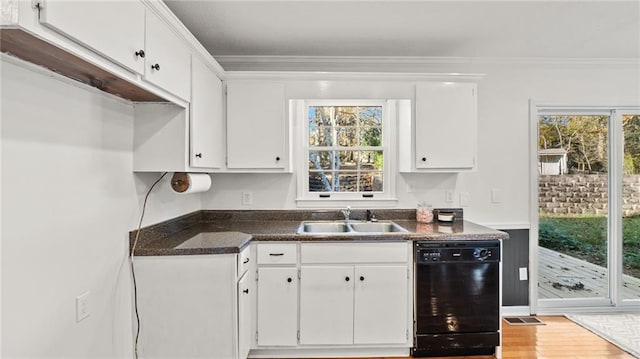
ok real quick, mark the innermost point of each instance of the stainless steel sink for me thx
(351, 227)
(324, 227)
(378, 227)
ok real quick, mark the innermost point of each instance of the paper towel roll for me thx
(185, 183)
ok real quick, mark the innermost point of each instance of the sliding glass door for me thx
(588, 207)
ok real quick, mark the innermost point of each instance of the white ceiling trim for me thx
(351, 76)
(354, 62)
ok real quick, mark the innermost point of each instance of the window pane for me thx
(371, 182)
(347, 161)
(346, 116)
(573, 206)
(631, 204)
(320, 181)
(370, 116)
(319, 116)
(371, 160)
(320, 136)
(371, 136)
(348, 182)
(321, 160)
(347, 136)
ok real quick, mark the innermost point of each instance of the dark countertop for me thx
(219, 232)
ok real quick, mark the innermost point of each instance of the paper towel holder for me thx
(180, 182)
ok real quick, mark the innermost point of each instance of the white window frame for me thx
(340, 199)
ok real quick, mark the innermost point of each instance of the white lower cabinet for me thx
(353, 297)
(326, 304)
(194, 306)
(277, 306)
(380, 305)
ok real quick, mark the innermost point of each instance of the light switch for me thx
(82, 306)
(523, 273)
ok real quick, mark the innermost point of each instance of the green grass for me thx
(586, 237)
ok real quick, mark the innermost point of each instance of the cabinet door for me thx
(380, 305)
(326, 305)
(446, 116)
(207, 126)
(256, 126)
(91, 23)
(277, 306)
(168, 60)
(245, 294)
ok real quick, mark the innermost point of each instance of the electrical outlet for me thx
(496, 195)
(82, 306)
(522, 271)
(464, 199)
(247, 198)
(448, 196)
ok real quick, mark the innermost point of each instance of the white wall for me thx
(503, 138)
(69, 199)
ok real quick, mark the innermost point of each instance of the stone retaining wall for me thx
(585, 194)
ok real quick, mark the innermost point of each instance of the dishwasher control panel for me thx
(467, 251)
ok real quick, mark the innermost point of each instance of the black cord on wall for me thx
(133, 273)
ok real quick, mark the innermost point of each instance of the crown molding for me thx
(394, 63)
(351, 76)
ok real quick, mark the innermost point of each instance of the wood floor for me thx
(559, 338)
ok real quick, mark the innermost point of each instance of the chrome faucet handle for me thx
(346, 212)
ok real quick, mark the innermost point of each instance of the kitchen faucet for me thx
(371, 217)
(346, 212)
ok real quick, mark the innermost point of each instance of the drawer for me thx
(277, 253)
(244, 261)
(355, 252)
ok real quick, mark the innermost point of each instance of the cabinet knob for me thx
(361, 278)
(424, 159)
(140, 53)
(347, 279)
(246, 291)
(289, 280)
(277, 158)
(199, 155)
(156, 67)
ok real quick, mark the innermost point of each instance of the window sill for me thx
(339, 203)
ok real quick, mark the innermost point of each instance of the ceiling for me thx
(467, 29)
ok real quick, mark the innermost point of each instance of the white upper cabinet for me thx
(93, 24)
(445, 129)
(207, 121)
(167, 58)
(257, 126)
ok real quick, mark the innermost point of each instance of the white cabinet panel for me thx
(207, 120)
(326, 305)
(168, 60)
(245, 293)
(445, 126)
(380, 305)
(257, 136)
(114, 29)
(277, 306)
(361, 252)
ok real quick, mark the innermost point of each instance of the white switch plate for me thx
(247, 198)
(496, 195)
(82, 306)
(464, 199)
(523, 273)
(448, 196)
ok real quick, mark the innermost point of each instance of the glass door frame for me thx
(615, 151)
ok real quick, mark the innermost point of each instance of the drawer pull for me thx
(246, 291)
(276, 254)
(246, 261)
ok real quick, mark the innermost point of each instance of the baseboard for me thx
(516, 310)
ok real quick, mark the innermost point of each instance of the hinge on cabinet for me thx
(256, 337)
(407, 332)
(299, 274)
(298, 336)
(257, 275)
(408, 273)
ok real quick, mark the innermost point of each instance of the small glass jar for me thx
(424, 213)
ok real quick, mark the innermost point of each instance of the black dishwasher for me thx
(456, 297)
